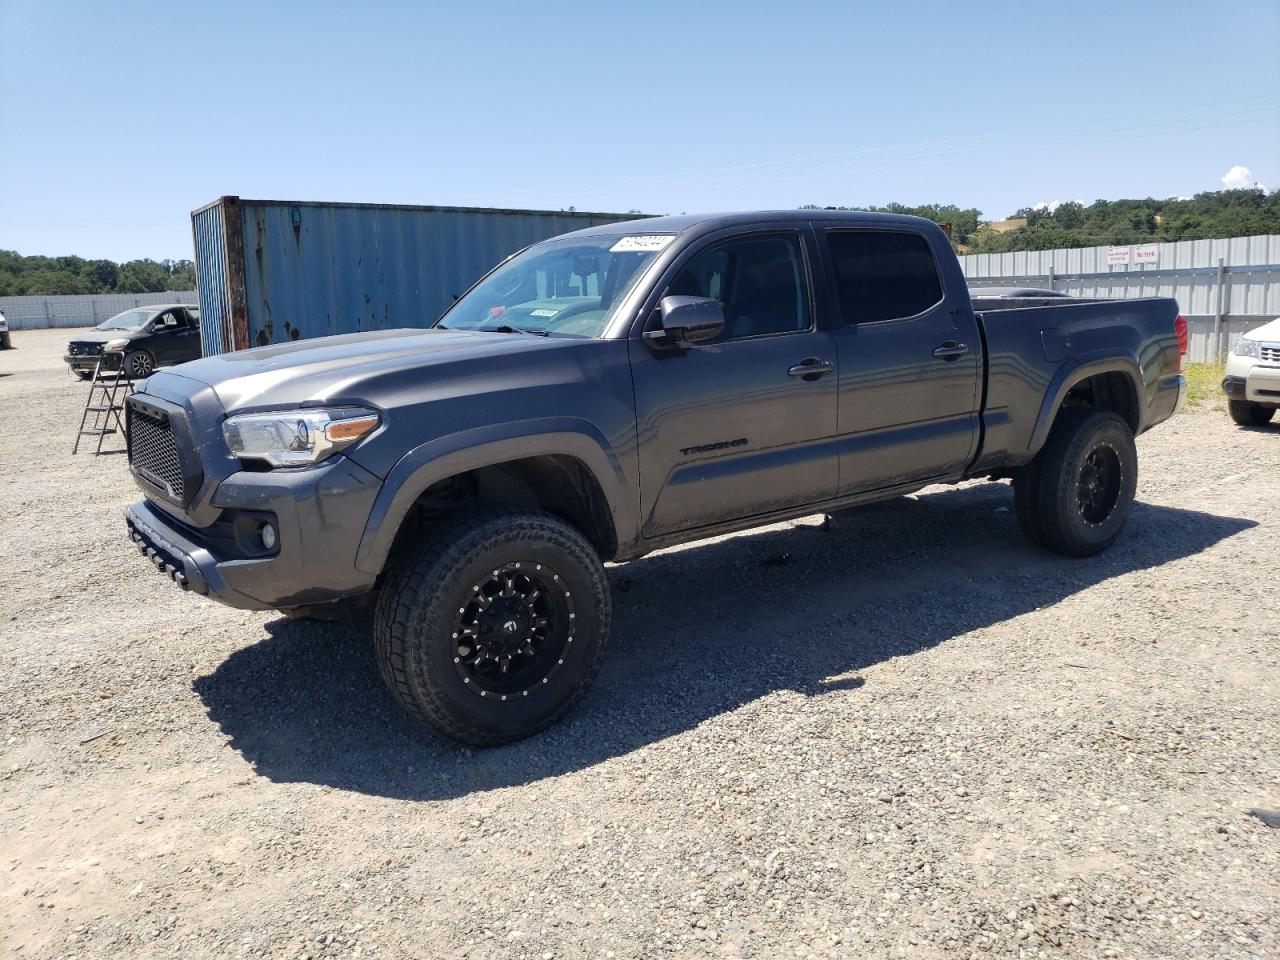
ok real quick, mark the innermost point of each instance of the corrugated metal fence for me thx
(38, 313)
(1224, 287)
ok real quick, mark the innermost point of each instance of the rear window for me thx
(882, 275)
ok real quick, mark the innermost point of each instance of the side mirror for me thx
(685, 321)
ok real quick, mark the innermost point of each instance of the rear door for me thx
(741, 425)
(910, 361)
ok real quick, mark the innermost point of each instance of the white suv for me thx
(1252, 381)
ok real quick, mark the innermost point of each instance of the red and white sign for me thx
(1117, 256)
(1146, 253)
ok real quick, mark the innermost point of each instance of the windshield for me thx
(129, 320)
(558, 288)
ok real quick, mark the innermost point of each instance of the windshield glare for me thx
(560, 288)
(129, 320)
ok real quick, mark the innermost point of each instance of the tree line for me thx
(54, 276)
(1206, 216)
(1217, 214)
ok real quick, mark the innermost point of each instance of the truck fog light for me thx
(268, 536)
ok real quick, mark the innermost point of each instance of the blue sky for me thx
(118, 119)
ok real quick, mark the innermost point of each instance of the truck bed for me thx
(1033, 344)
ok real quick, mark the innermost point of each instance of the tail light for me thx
(1180, 328)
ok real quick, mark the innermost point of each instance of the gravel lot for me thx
(918, 736)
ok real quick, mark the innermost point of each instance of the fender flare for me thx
(487, 446)
(1069, 376)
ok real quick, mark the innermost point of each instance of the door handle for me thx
(951, 350)
(810, 369)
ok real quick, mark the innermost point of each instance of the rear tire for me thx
(1025, 486)
(1076, 495)
(1250, 414)
(486, 588)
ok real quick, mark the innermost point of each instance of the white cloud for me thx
(1053, 205)
(1240, 178)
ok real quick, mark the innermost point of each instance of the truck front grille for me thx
(153, 452)
(1271, 352)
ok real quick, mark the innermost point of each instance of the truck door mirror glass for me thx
(686, 320)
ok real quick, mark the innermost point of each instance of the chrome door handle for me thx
(811, 369)
(950, 351)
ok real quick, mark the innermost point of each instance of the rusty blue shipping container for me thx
(270, 271)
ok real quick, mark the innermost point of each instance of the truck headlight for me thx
(111, 346)
(1246, 348)
(297, 438)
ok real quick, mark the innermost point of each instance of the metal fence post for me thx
(1051, 276)
(1217, 311)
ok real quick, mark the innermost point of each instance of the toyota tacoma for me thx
(618, 390)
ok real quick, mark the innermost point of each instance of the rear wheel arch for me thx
(1116, 387)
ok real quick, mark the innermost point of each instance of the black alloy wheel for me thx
(512, 633)
(1098, 488)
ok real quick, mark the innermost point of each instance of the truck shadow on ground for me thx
(697, 633)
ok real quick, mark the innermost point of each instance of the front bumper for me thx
(1257, 381)
(320, 515)
(82, 361)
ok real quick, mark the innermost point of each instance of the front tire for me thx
(495, 626)
(1250, 414)
(139, 363)
(1076, 495)
(83, 374)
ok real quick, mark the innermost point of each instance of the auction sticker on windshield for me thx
(650, 244)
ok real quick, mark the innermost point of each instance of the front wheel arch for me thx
(614, 514)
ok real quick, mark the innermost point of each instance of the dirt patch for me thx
(919, 737)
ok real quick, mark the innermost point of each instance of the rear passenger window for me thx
(759, 281)
(882, 275)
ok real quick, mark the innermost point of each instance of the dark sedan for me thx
(147, 337)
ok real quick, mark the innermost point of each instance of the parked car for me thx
(5, 342)
(611, 392)
(1252, 377)
(146, 338)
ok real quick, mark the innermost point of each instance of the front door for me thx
(166, 337)
(741, 425)
(910, 362)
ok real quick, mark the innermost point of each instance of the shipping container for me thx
(270, 271)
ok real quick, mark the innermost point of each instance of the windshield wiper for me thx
(507, 328)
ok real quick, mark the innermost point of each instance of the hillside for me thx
(49, 276)
(1223, 213)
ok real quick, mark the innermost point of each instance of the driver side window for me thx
(171, 320)
(758, 280)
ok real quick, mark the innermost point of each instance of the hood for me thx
(1268, 331)
(101, 336)
(371, 367)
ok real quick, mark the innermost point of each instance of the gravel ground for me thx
(915, 735)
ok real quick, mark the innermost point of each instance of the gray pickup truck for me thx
(617, 390)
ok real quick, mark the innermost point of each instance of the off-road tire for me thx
(1049, 501)
(1250, 414)
(417, 613)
